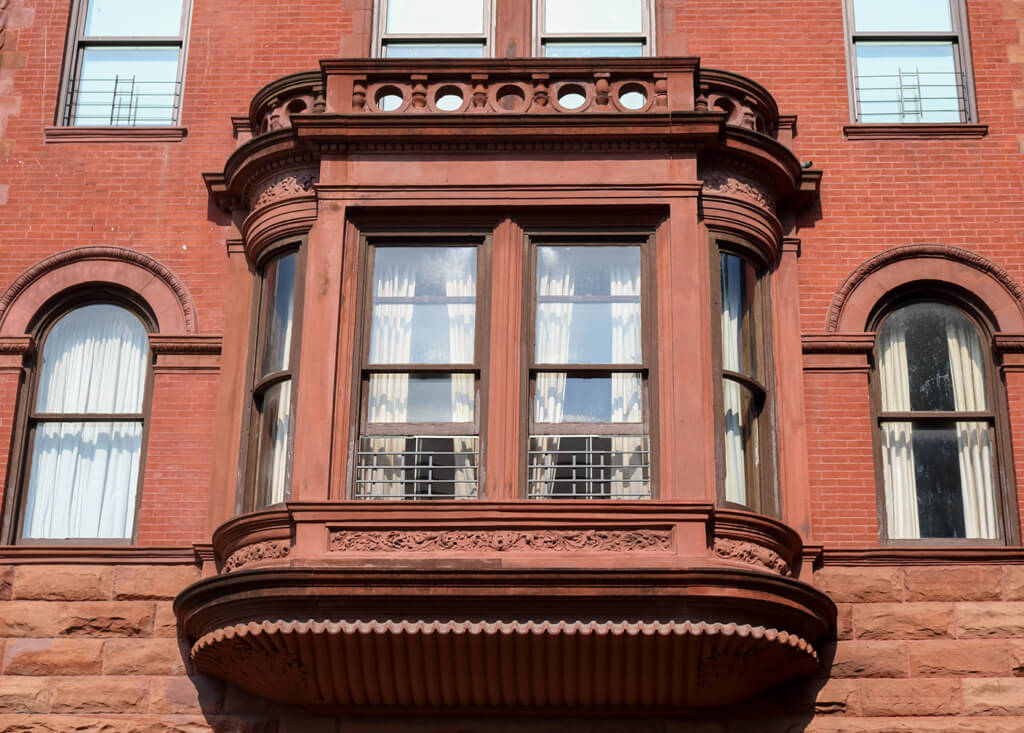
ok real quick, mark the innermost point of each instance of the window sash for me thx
(383, 39)
(645, 37)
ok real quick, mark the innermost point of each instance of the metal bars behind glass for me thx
(589, 467)
(417, 467)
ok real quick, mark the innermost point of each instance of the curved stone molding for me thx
(69, 257)
(273, 105)
(363, 662)
(725, 182)
(284, 185)
(752, 554)
(544, 540)
(924, 252)
(269, 550)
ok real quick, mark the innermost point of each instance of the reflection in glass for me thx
(912, 16)
(424, 305)
(593, 16)
(133, 18)
(127, 86)
(434, 50)
(397, 398)
(417, 467)
(742, 456)
(588, 467)
(591, 49)
(588, 305)
(437, 17)
(738, 327)
(616, 398)
(908, 82)
(278, 314)
(273, 424)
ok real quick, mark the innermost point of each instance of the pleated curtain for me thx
(627, 479)
(732, 322)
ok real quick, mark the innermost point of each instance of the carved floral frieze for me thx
(731, 184)
(285, 185)
(269, 550)
(752, 554)
(538, 540)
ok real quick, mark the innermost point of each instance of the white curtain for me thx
(974, 446)
(732, 323)
(626, 476)
(84, 474)
(277, 410)
(461, 283)
(897, 438)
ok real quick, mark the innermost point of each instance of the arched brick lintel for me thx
(853, 302)
(165, 294)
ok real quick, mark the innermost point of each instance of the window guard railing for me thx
(588, 467)
(911, 96)
(417, 467)
(122, 102)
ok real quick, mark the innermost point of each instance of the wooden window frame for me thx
(257, 384)
(480, 239)
(27, 419)
(78, 42)
(646, 37)
(766, 497)
(644, 238)
(958, 37)
(381, 38)
(997, 416)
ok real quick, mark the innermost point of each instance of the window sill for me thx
(114, 134)
(99, 552)
(926, 130)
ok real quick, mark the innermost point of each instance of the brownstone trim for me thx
(114, 134)
(922, 130)
(14, 350)
(185, 353)
(837, 352)
(78, 554)
(922, 556)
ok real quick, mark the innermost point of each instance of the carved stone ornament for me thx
(269, 550)
(752, 554)
(539, 540)
(739, 186)
(285, 185)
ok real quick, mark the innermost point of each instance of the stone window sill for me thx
(114, 134)
(926, 130)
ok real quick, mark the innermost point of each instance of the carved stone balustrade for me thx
(272, 107)
(457, 605)
(746, 103)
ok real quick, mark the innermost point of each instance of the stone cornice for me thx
(925, 130)
(74, 553)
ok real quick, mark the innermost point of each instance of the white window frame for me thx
(381, 38)
(646, 36)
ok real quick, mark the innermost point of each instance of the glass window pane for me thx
(930, 358)
(434, 50)
(94, 361)
(908, 82)
(589, 305)
(589, 467)
(398, 398)
(559, 398)
(440, 17)
(905, 15)
(83, 479)
(738, 326)
(277, 314)
(424, 305)
(593, 16)
(127, 86)
(742, 458)
(592, 50)
(417, 467)
(273, 424)
(133, 18)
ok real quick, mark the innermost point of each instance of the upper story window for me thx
(421, 372)
(937, 425)
(744, 386)
(124, 63)
(589, 414)
(436, 29)
(910, 61)
(592, 28)
(275, 369)
(86, 426)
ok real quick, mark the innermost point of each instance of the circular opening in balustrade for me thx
(572, 96)
(510, 98)
(296, 106)
(632, 96)
(448, 99)
(388, 99)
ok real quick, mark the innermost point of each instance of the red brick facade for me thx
(928, 637)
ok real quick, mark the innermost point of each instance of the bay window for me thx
(588, 375)
(419, 415)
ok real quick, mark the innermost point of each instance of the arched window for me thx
(86, 426)
(937, 425)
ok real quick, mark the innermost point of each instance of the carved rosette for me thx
(752, 554)
(285, 185)
(541, 540)
(269, 550)
(731, 184)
